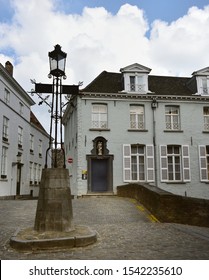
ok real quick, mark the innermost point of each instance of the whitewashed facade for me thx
(23, 139)
(131, 127)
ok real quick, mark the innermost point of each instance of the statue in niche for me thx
(99, 148)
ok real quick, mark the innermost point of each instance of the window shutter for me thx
(163, 163)
(186, 163)
(150, 163)
(126, 162)
(203, 163)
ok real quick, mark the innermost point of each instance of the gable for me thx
(201, 72)
(135, 68)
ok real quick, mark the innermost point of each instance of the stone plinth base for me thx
(54, 208)
(31, 240)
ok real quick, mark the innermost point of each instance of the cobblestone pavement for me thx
(125, 231)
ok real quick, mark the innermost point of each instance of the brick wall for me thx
(167, 207)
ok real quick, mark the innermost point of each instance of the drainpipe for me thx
(154, 105)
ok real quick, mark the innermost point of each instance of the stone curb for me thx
(77, 240)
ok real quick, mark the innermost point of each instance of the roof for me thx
(36, 122)
(108, 82)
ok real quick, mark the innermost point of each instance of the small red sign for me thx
(70, 160)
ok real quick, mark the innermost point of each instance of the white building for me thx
(135, 127)
(23, 139)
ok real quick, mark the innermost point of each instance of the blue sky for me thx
(167, 10)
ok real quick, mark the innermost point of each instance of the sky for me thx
(169, 36)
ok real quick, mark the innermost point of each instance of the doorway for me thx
(99, 175)
(18, 184)
(100, 167)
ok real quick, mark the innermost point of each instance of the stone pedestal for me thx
(54, 209)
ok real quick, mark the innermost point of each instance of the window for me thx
(4, 163)
(175, 164)
(204, 163)
(138, 163)
(5, 135)
(172, 117)
(6, 96)
(40, 148)
(20, 137)
(99, 116)
(31, 173)
(31, 143)
(132, 83)
(35, 172)
(136, 83)
(21, 108)
(136, 117)
(204, 89)
(39, 172)
(206, 118)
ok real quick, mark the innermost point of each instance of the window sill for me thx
(6, 142)
(205, 131)
(173, 131)
(137, 130)
(3, 178)
(99, 129)
(175, 182)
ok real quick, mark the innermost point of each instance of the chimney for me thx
(9, 67)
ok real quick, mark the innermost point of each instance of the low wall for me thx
(167, 207)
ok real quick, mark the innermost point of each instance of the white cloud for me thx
(182, 46)
(97, 40)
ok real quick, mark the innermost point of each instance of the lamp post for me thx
(54, 208)
(57, 62)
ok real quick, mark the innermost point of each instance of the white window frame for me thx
(35, 171)
(21, 108)
(20, 135)
(6, 96)
(99, 116)
(172, 119)
(136, 83)
(184, 163)
(137, 117)
(148, 163)
(206, 118)
(204, 162)
(40, 145)
(31, 173)
(205, 85)
(5, 131)
(4, 160)
(31, 143)
(39, 172)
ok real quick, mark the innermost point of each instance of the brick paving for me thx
(124, 230)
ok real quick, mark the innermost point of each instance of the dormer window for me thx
(135, 78)
(202, 81)
(205, 87)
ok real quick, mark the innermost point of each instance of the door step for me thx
(96, 194)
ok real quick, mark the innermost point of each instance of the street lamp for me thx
(57, 61)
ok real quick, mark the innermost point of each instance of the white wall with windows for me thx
(18, 137)
(165, 146)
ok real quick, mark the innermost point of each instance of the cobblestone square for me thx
(125, 231)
